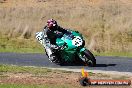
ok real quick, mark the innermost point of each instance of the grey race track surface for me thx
(120, 64)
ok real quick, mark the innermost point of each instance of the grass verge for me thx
(118, 54)
(41, 50)
(36, 77)
(33, 86)
(20, 45)
(30, 46)
(21, 69)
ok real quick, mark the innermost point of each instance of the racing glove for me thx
(57, 47)
(54, 46)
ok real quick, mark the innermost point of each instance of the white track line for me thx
(96, 71)
(93, 71)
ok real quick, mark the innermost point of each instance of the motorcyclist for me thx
(51, 31)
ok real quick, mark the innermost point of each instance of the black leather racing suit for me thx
(50, 36)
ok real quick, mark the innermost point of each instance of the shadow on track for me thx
(104, 65)
(97, 65)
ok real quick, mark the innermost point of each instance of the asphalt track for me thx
(119, 64)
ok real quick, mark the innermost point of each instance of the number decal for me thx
(77, 41)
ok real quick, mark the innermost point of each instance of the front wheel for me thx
(89, 58)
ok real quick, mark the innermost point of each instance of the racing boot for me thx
(54, 59)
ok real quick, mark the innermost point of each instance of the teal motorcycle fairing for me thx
(74, 45)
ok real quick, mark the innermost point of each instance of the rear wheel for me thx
(89, 58)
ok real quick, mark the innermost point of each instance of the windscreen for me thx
(68, 36)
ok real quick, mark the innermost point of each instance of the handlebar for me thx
(62, 47)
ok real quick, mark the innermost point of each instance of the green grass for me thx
(31, 70)
(30, 46)
(20, 45)
(41, 50)
(35, 71)
(110, 30)
(119, 54)
(22, 50)
(21, 69)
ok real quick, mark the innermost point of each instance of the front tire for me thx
(89, 58)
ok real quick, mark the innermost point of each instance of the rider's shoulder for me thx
(59, 27)
(45, 28)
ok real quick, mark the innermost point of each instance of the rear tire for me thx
(90, 59)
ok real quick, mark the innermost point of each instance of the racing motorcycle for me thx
(72, 48)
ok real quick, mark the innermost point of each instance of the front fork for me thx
(80, 54)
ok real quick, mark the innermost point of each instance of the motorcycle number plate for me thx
(77, 41)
